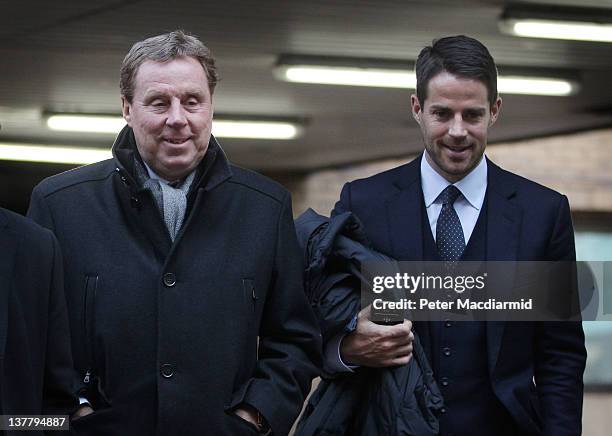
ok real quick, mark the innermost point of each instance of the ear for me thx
(126, 110)
(495, 109)
(417, 109)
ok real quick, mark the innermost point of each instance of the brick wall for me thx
(578, 165)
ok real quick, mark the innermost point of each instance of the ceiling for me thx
(65, 56)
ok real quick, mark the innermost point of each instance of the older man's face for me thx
(171, 115)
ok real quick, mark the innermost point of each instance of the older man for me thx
(183, 275)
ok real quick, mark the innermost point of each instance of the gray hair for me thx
(164, 48)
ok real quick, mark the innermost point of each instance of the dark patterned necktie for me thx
(449, 234)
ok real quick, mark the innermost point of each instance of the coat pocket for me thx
(91, 379)
(246, 352)
(250, 304)
(89, 322)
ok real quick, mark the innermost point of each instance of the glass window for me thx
(597, 246)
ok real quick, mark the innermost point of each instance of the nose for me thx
(457, 128)
(176, 115)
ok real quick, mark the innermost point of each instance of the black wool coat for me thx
(170, 336)
(36, 374)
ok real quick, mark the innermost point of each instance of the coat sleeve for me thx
(60, 379)
(289, 338)
(332, 361)
(560, 350)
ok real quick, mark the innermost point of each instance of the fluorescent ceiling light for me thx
(553, 29)
(255, 129)
(224, 128)
(557, 22)
(52, 153)
(535, 86)
(86, 123)
(404, 78)
(349, 76)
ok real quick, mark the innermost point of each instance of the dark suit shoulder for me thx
(401, 174)
(257, 183)
(26, 229)
(89, 173)
(506, 181)
(380, 187)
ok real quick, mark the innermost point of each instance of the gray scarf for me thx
(171, 199)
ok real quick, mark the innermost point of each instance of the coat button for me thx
(167, 370)
(169, 279)
(444, 381)
(447, 323)
(443, 410)
(446, 351)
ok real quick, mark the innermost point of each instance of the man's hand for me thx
(84, 410)
(377, 345)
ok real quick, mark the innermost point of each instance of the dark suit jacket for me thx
(525, 222)
(36, 374)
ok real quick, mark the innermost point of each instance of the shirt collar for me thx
(183, 185)
(153, 175)
(473, 186)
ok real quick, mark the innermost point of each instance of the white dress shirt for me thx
(473, 188)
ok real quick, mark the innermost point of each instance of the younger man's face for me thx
(454, 120)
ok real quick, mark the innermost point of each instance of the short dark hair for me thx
(164, 48)
(459, 55)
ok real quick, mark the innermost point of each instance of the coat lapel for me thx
(405, 228)
(404, 217)
(503, 231)
(7, 260)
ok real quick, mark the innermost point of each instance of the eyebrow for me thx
(438, 107)
(196, 92)
(153, 94)
(474, 113)
(476, 110)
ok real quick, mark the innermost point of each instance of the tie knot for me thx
(449, 195)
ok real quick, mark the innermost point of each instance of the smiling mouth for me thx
(176, 141)
(457, 148)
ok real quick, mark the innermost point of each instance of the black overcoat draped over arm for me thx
(401, 400)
